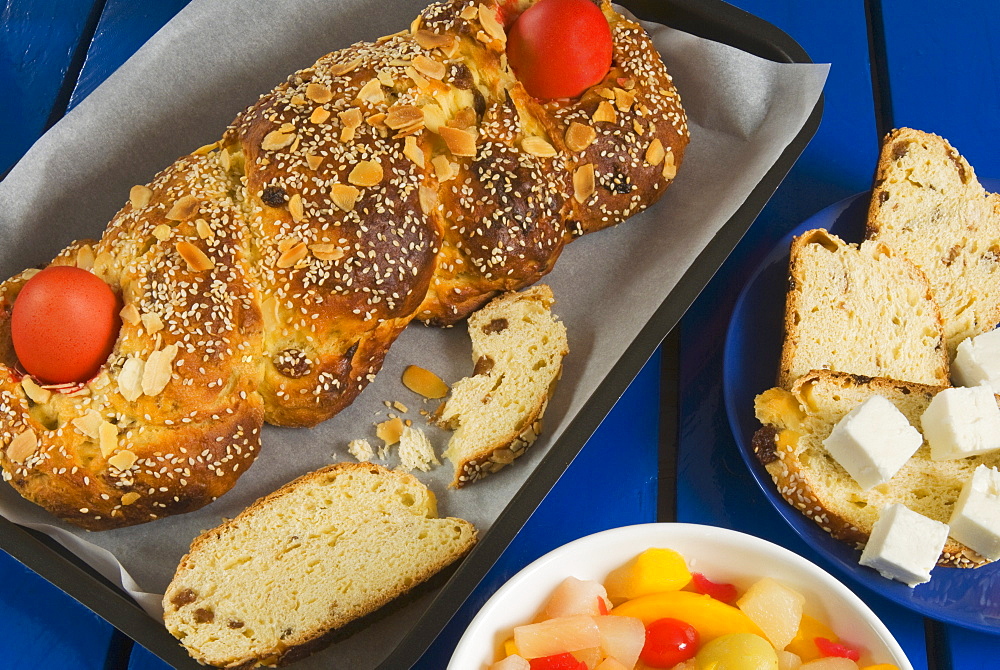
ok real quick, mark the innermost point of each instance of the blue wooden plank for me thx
(38, 41)
(123, 28)
(944, 65)
(45, 628)
(714, 486)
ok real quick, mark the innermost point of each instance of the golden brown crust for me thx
(408, 178)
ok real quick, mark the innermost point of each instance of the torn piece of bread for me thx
(518, 347)
(277, 581)
(790, 445)
(859, 309)
(928, 205)
(416, 451)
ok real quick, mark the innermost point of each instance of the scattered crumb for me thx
(361, 450)
(415, 450)
(400, 406)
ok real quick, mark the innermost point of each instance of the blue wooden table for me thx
(895, 62)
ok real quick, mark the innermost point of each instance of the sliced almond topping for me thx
(400, 406)
(413, 151)
(107, 435)
(429, 67)
(469, 12)
(389, 431)
(287, 243)
(386, 79)
(401, 116)
(313, 161)
(460, 142)
(156, 372)
(225, 160)
(123, 460)
(85, 257)
(319, 115)
(365, 173)
(428, 40)
(183, 208)
(34, 391)
(130, 498)
(327, 252)
(428, 198)
(293, 255)
(624, 99)
(196, 259)
(89, 424)
(605, 113)
(344, 68)
(130, 314)
(351, 118)
(296, 208)
(655, 152)
(297, 100)
(421, 81)
(493, 28)
(579, 136)
(376, 120)
(25, 444)
(287, 127)
(318, 93)
(139, 196)
(152, 322)
(371, 92)
(130, 379)
(344, 196)
(638, 127)
(203, 229)
(583, 182)
(536, 146)
(606, 93)
(424, 382)
(162, 232)
(276, 140)
(669, 167)
(434, 116)
(443, 168)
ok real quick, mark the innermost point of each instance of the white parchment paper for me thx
(211, 61)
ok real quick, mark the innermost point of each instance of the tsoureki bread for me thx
(790, 446)
(277, 581)
(264, 277)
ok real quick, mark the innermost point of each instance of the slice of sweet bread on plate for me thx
(790, 446)
(928, 205)
(859, 308)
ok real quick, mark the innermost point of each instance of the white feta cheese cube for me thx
(962, 422)
(975, 521)
(904, 545)
(873, 441)
(978, 361)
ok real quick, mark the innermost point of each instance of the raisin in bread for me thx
(275, 582)
(518, 348)
(928, 205)
(790, 445)
(838, 290)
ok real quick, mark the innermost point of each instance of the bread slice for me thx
(272, 584)
(928, 205)
(790, 445)
(518, 348)
(860, 309)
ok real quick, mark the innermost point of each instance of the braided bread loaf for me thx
(264, 277)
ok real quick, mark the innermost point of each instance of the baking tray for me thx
(711, 19)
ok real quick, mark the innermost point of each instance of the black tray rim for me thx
(711, 19)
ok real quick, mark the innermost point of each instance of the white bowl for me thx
(722, 555)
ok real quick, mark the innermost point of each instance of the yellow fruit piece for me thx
(424, 382)
(804, 645)
(710, 617)
(509, 648)
(652, 571)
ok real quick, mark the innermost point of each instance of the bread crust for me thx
(284, 260)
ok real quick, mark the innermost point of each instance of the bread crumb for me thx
(400, 406)
(415, 450)
(361, 450)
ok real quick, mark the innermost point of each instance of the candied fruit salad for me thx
(653, 612)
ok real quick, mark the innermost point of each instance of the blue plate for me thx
(967, 598)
